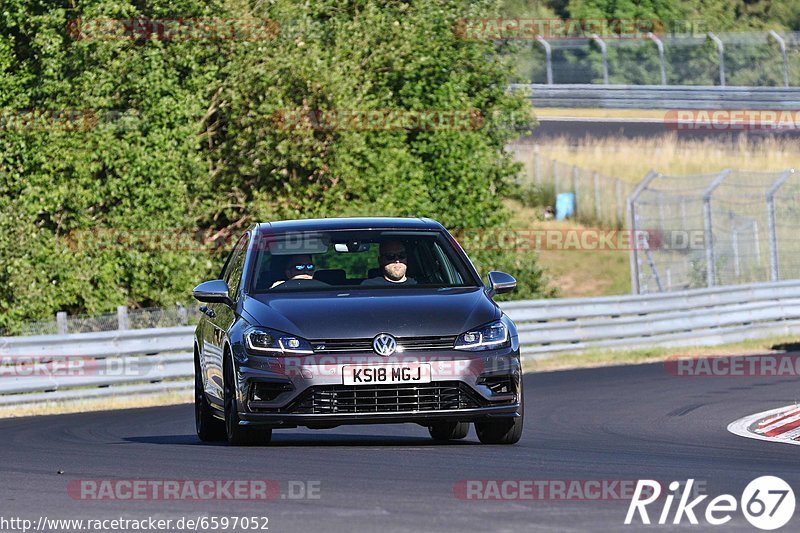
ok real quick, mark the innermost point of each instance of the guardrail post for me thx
(773, 237)
(122, 317)
(597, 195)
(548, 54)
(711, 261)
(721, 50)
(602, 44)
(537, 168)
(782, 45)
(661, 62)
(61, 322)
(635, 287)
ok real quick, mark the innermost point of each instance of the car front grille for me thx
(409, 344)
(437, 396)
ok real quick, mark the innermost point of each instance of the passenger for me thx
(393, 261)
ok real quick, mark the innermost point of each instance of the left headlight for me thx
(276, 343)
(488, 337)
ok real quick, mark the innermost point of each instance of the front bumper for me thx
(310, 390)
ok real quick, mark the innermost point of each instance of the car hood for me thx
(365, 313)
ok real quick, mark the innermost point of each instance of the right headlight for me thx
(270, 342)
(488, 337)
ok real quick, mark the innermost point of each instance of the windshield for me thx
(368, 259)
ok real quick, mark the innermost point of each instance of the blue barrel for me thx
(565, 205)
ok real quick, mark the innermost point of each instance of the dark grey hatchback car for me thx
(325, 322)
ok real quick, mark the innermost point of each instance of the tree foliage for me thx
(120, 157)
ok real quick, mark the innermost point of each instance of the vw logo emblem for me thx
(384, 344)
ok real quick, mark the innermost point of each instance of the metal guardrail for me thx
(127, 362)
(662, 96)
(78, 366)
(686, 318)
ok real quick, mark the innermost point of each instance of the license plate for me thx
(386, 374)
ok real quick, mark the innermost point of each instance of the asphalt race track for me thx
(620, 423)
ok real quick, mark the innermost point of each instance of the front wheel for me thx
(503, 430)
(448, 430)
(239, 435)
(209, 428)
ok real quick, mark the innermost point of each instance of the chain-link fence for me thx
(124, 318)
(715, 229)
(746, 59)
(599, 199)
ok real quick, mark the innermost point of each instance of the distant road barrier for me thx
(662, 96)
(131, 362)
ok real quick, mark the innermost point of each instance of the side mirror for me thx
(500, 282)
(213, 292)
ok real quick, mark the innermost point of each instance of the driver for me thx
(299, 273)
(393, 261)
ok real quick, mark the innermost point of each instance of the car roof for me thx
(349, 223)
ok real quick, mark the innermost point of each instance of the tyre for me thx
(448, 430)
(503, 430)
(238, 435)
(209, 428)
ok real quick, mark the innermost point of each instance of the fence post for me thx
(757, 241)
(735, 246)
(597, 196)
(660, 47)
(635, 288)
(183, 315)
(575, 187)
(537, 169)
(596, 38)
(721, 50)
(782, 44)
(555, 177)
(548, 53)
(61, 322)
(711, 261)
(773, 236)
(618, 186)
(122, 317)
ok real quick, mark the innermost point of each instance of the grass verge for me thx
(575, 273)
(61, 407)
(631, 159)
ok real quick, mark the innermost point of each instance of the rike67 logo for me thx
(767, 503)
